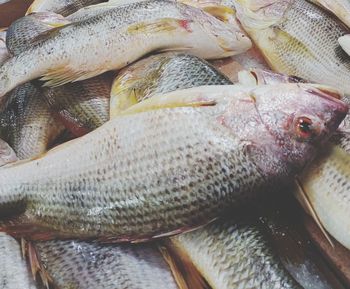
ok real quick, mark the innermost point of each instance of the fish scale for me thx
(234, 254)
(92, 265)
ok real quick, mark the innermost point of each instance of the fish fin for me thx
(63, 75)
(184, 271)
(175, 48)
(161, 25)
(344, 42)
(306, 204)
(47, 34)
(185, 98)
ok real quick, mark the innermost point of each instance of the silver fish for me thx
(144, 175)
(82, 265)
(157, 24)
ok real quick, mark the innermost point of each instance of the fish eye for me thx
(305, 128)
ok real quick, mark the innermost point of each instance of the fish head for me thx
(298, 119)
(226, 37)
(260, 14)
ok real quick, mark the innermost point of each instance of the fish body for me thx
(65, 7)
(14, 272)
(143, 26)
(159, 74)
(298, 38)
(159, 178)
(82, 265)
(27, 123)
(232, 254)
(340, 8)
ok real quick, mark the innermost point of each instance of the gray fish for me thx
(14, 272)
(233, 254)
(63, 7)
(177, 165)
(159, 25)
(82, 265)
(160, 74)
(298, 38)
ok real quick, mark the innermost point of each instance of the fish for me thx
(14, 273)
(4, 54)
(26, 123)
(160, 179)
(158, 25)
(65, 7)
(340, 8)
(7, 155)
(84, 265)
(23, 32)
(81, 106)
(298, 38)
(159, 74)
(233, 254)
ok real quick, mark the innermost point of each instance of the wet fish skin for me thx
(298, 38)
(158, 74)
(234, 254)
(340, 8)
(183, 177)
(14, 273)
(155, 23)
(22, 33)
(82, 265)
(27, 123)
(63, 7)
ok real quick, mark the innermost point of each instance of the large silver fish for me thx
(121, 35)
(63, 7)
(14, 272)
(82, 265)
(233, 254)
(158, 74)
(298, 38)
(178, 164)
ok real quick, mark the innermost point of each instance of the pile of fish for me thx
(130, 161)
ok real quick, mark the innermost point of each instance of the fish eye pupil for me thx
(305, 125)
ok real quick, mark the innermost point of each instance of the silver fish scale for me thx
(151, 179)
(188, 71)
(82, 265)
(26, 122)
(14, 273)
(235, 255)
(318, 31)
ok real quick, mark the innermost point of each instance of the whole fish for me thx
(26, 122)
(63, 7)
(7, 155)
(82, 106)
(160, 74)
(82, 265)
(156, 24)
(4, 54)
(340, 8)
(186, 159)
(234, 254)
(298, 38)
(14, 273)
